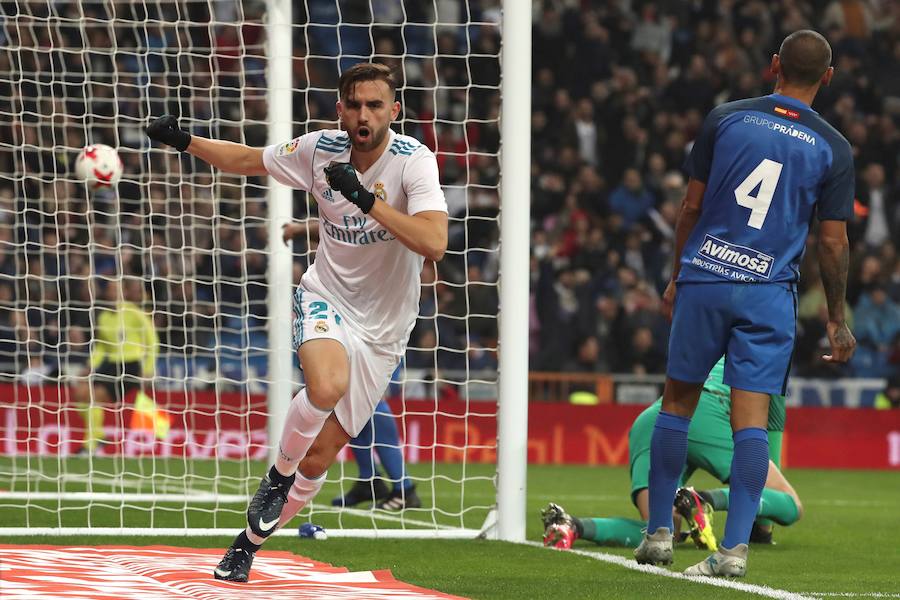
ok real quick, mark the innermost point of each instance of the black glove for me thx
(165, 129)
(342, 178)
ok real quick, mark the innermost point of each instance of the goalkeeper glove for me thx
(341, 176)
(165, 129)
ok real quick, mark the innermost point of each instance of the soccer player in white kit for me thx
(382, 213)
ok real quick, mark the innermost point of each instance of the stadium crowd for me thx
(610, 132)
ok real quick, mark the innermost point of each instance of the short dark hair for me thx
(805, 56)
(365, 72)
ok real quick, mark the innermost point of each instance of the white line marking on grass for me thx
(31, 532)
(560, 498)
(855, 594)
(762, 590)
(128, 497)
(381, 516)
(152, 490)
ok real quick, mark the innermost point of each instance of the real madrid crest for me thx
(379, 192)
(321, 327)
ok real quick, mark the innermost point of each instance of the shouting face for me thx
(366, 114)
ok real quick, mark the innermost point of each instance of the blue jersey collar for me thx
(791, 101)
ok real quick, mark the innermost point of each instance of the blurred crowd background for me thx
(611, 132)
(620, 89)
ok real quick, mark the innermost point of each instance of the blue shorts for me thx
(753, 325)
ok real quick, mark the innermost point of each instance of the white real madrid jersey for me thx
(372, 278)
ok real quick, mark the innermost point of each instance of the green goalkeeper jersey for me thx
(715, 387)
(710, 443)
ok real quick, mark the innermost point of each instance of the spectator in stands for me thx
(560, 307)
(588, 357)
(631, 199)
(873, 198)
(877, 324)
(9, 343)
(642, 356)
(629, 112)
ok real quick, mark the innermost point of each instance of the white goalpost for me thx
(201, 254)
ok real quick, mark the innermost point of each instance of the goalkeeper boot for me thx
(698, 515)
(401, 500)
(761, 535)
(655, 548)
(235, 565)
(365, 490)
(559, 527)
(265, 507)
(722, 563)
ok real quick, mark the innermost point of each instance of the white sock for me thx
(301, 492)
(301, 426)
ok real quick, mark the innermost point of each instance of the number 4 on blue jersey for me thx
(769, 165)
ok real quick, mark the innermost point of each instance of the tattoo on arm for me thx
(834, 262)
(843, 338)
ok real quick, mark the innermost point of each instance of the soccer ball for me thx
(99, 166)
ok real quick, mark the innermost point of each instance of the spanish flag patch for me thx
(787, 112)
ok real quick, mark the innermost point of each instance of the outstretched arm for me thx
(226, 156)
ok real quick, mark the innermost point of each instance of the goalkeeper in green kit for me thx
(710, 448)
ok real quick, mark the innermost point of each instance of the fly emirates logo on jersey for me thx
(352, 230)
(730, 260)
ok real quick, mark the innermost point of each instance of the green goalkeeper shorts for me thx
(710, 446)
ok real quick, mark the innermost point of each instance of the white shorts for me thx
(371, 365)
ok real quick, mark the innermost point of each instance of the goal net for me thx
(180, 445)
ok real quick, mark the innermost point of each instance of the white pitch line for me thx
(383, 517)
(855, 594)
(31, 532)
(189, 498)
(762, 590)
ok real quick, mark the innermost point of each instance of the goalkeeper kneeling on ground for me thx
(710, 448)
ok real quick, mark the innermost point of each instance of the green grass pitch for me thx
(845, 544)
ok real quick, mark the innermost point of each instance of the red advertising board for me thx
(233, 425)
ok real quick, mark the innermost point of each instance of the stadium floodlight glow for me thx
(218, 280)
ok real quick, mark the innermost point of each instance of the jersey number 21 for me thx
(765, 175)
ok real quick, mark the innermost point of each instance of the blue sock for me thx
(387, 445)
(361, 446)
(668, 452)
(749, 467)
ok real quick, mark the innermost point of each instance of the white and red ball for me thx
(99, 166)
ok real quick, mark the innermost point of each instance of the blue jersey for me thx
(768, 164)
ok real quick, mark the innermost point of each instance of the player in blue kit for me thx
(760, 170)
